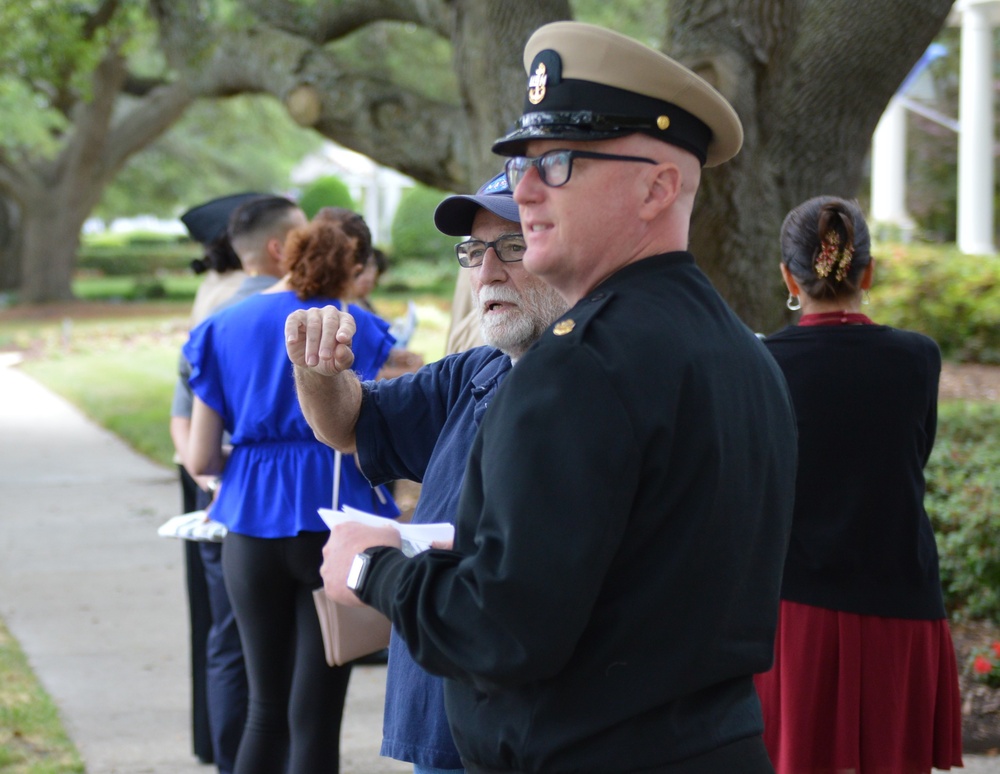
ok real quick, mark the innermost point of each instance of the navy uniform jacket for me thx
(620, 539)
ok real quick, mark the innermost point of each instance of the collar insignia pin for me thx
(536, 85)
(563, 327)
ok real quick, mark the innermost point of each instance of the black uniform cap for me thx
(207, 222)
(589, 83)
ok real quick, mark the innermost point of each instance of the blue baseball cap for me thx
(455, 214)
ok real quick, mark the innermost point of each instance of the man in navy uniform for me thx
(613, 584)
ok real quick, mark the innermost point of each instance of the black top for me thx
(620, 538)
(866, 401)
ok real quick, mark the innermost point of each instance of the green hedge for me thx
(963, 502)
(413, 231)
(328, 191)
(953, 298)
(137, 257)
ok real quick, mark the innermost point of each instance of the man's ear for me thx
(663, 186)
(275, 250)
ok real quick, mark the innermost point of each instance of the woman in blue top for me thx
(274, 480)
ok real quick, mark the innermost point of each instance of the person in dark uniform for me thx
(614, 580)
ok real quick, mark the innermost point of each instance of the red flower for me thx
(996, 648)
(982, 665)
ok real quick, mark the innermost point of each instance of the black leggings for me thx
(296, 700)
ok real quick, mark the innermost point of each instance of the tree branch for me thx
(325, 21)
(156, 113)
(140, 85)
(393, 125)
(100, 18)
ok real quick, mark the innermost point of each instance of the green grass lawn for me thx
(126, 390)
(32, 738)
(120, 368)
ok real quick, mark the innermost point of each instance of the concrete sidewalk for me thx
(97, 600)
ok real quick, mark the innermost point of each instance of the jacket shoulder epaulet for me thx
(572, 326)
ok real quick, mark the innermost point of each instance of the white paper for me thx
(193, 526)
(416, 537)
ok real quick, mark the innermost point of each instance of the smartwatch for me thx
(358, 573)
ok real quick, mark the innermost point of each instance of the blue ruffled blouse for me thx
(278, 474)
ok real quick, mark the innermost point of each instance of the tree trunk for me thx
(10, 245)
(56, 196)
(51, 243)
(806, 81)
(487, 43)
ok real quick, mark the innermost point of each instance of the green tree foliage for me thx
(245, 143)
(413, 231)
(641, 19)
(48, 51)
(328, 191)
(85, 93)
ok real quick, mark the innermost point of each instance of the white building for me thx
(974, 126)
(377, 189)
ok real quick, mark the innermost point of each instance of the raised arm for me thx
(318, 342)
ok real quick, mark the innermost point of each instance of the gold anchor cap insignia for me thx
(563, 327)
(536, 84)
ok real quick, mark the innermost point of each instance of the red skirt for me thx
(860, 694)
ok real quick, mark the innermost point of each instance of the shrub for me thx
(329, 191)
(122, 255)
(986, 664)
(963, 502)
(413, 232)
(951, 297)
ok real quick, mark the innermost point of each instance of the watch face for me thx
(357, 572)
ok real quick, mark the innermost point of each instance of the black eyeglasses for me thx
(556, 166)
(508, 247)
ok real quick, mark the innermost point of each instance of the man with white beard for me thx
(421, 426)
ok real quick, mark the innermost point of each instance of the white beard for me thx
(518, 327)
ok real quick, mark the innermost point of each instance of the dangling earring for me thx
(866, 299)
(793, 302)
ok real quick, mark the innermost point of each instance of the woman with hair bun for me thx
(864, 678)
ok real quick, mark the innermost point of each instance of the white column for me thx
(889, 170)
(975, 140)
(372, 206)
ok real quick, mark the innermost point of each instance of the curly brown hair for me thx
(321, 258)
(353, 224)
